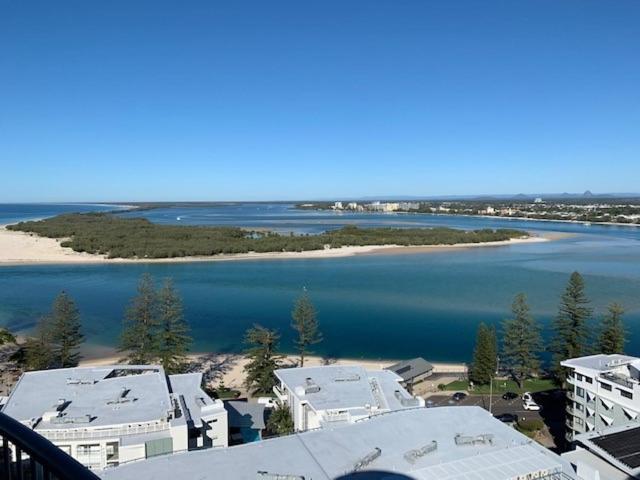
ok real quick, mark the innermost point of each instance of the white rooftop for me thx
(345, 387)
(599, 362)
(196, 402)
(87, 397)
(400, 442)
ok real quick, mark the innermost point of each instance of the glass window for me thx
(579, 376)
(626, 394)
(588, 379)
(605, 386)
(580, 391)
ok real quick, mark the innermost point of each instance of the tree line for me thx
(117, 237)
(522, 345)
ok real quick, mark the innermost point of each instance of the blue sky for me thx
(205, 100)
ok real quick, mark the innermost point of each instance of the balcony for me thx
(571, 395)
(26, 455)
(618, 379)
(570, 410)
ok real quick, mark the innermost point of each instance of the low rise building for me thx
(336, 394)
(604, 391)
(444, 443)
(413, 372)
(105, 416)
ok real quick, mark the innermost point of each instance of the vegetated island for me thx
(114, 237)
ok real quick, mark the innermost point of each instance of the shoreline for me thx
(22, 248)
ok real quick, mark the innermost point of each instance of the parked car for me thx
(268, 402)
(458, 396)
(509, 396)
(530, 405)
(527, 397)
(507, 417)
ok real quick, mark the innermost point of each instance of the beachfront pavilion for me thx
(413, 372)
(444, 443)
(339, 394)
(105, 416)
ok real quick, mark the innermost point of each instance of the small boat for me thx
(178, 218)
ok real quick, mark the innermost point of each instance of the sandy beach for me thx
(20, 248)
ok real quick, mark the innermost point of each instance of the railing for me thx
(26, 455)
(612, 377)
(89, 434)
(570, 410)
(571, 395)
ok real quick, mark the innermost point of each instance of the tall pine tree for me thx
(6, 337)
(38, 350)
(305, 324)
(570, 326)
(66, 334)
(263, 359)
(485, 355)
(173, 338)
(140, 324)
(612, 331)
(522, 343)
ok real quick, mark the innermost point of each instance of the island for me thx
(109, 236)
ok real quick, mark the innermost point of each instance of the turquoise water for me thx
(379, 306)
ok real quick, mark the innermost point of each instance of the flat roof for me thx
(197, 402)
(110, 395)
(599, 362)
(344, 387)
(397, 442)
(409, 369)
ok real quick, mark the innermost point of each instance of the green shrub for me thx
(530, 425)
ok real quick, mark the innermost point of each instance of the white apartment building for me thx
(605, 392)
(107, 416)
(334, 395)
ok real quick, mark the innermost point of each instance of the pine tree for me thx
(263, 359)
(173, 338)
(612, 333)
(484, 356)
(570, 325)
(306, 325)
(140, 324)
(66, 334)
(38, 350)
(522, 342)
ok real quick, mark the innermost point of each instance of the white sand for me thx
(20, 248)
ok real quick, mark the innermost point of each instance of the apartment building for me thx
(604, 392)
(106, 416)
(333, 395)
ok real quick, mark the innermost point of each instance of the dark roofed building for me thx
(412, 371)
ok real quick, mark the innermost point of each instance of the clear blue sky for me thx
(209, 100)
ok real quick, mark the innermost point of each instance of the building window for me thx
(579, 376)
(578, 406)
(580, 392)
(605, 386)
(626, 394)
(588, 379)
(90, 455)
(578, 421)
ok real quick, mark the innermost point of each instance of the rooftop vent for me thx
(406, 402)
(121, 397)
(348, 378)
(310, 386)
(61, 404)
(64, 419)
(466, 440)
(367, 459)
(413, 455)
(81, 381)
(277, 476)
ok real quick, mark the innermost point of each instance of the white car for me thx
(526, 397)
(530, 405)
(268, 402)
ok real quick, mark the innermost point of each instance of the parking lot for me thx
(552, 413)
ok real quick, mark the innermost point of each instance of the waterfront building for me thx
(334, 395)
(104, 416)
(337, 206)
(413, 372)
(444, 443)
(604, 391)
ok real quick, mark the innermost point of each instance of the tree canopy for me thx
(264, 359)
(612, 331)
(305, 324)
(485, 355)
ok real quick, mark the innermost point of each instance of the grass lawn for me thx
(501, 386)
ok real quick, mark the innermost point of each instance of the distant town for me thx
(585, 209)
